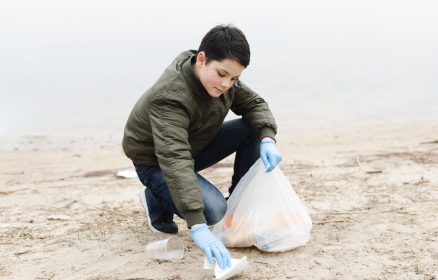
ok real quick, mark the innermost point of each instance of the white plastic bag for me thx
(264, 211)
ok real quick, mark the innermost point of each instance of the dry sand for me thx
(371, 190)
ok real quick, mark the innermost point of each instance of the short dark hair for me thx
(226, 41)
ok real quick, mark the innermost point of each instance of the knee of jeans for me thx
(246, 133)
(215, 215)
(243, 127)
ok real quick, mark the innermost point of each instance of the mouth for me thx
(220, 90)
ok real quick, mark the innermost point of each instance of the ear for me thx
(201, 59)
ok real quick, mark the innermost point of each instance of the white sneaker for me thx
(169, 227)
(145, 206)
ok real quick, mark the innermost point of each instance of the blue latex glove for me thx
(210, 245)
(269, 153)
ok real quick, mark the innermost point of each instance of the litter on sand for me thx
(237, 266)
(128, 174)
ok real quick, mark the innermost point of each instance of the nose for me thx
(226, 83)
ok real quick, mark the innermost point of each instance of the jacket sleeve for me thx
(169, 123)
(254, 111)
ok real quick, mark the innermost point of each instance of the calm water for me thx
(80, 67)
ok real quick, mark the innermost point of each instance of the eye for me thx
(221, 74)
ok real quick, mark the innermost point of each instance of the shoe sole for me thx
(145, 206)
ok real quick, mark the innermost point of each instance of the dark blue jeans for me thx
(232, 136)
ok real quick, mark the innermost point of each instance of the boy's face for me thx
(217, 76)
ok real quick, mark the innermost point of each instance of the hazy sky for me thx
(76, 64)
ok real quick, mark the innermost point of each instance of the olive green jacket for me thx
(176, 118)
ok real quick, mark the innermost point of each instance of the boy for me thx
(176, 129)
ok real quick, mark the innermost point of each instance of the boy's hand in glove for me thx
(269, 153)
(210, 245)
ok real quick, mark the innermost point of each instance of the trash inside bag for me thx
(264, 211)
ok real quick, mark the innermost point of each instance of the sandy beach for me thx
(351, 85)
(371, 191)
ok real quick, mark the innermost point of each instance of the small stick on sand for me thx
(430, 142)
(374, 172)
(367, 212)
(331, 221)
(358, 161)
